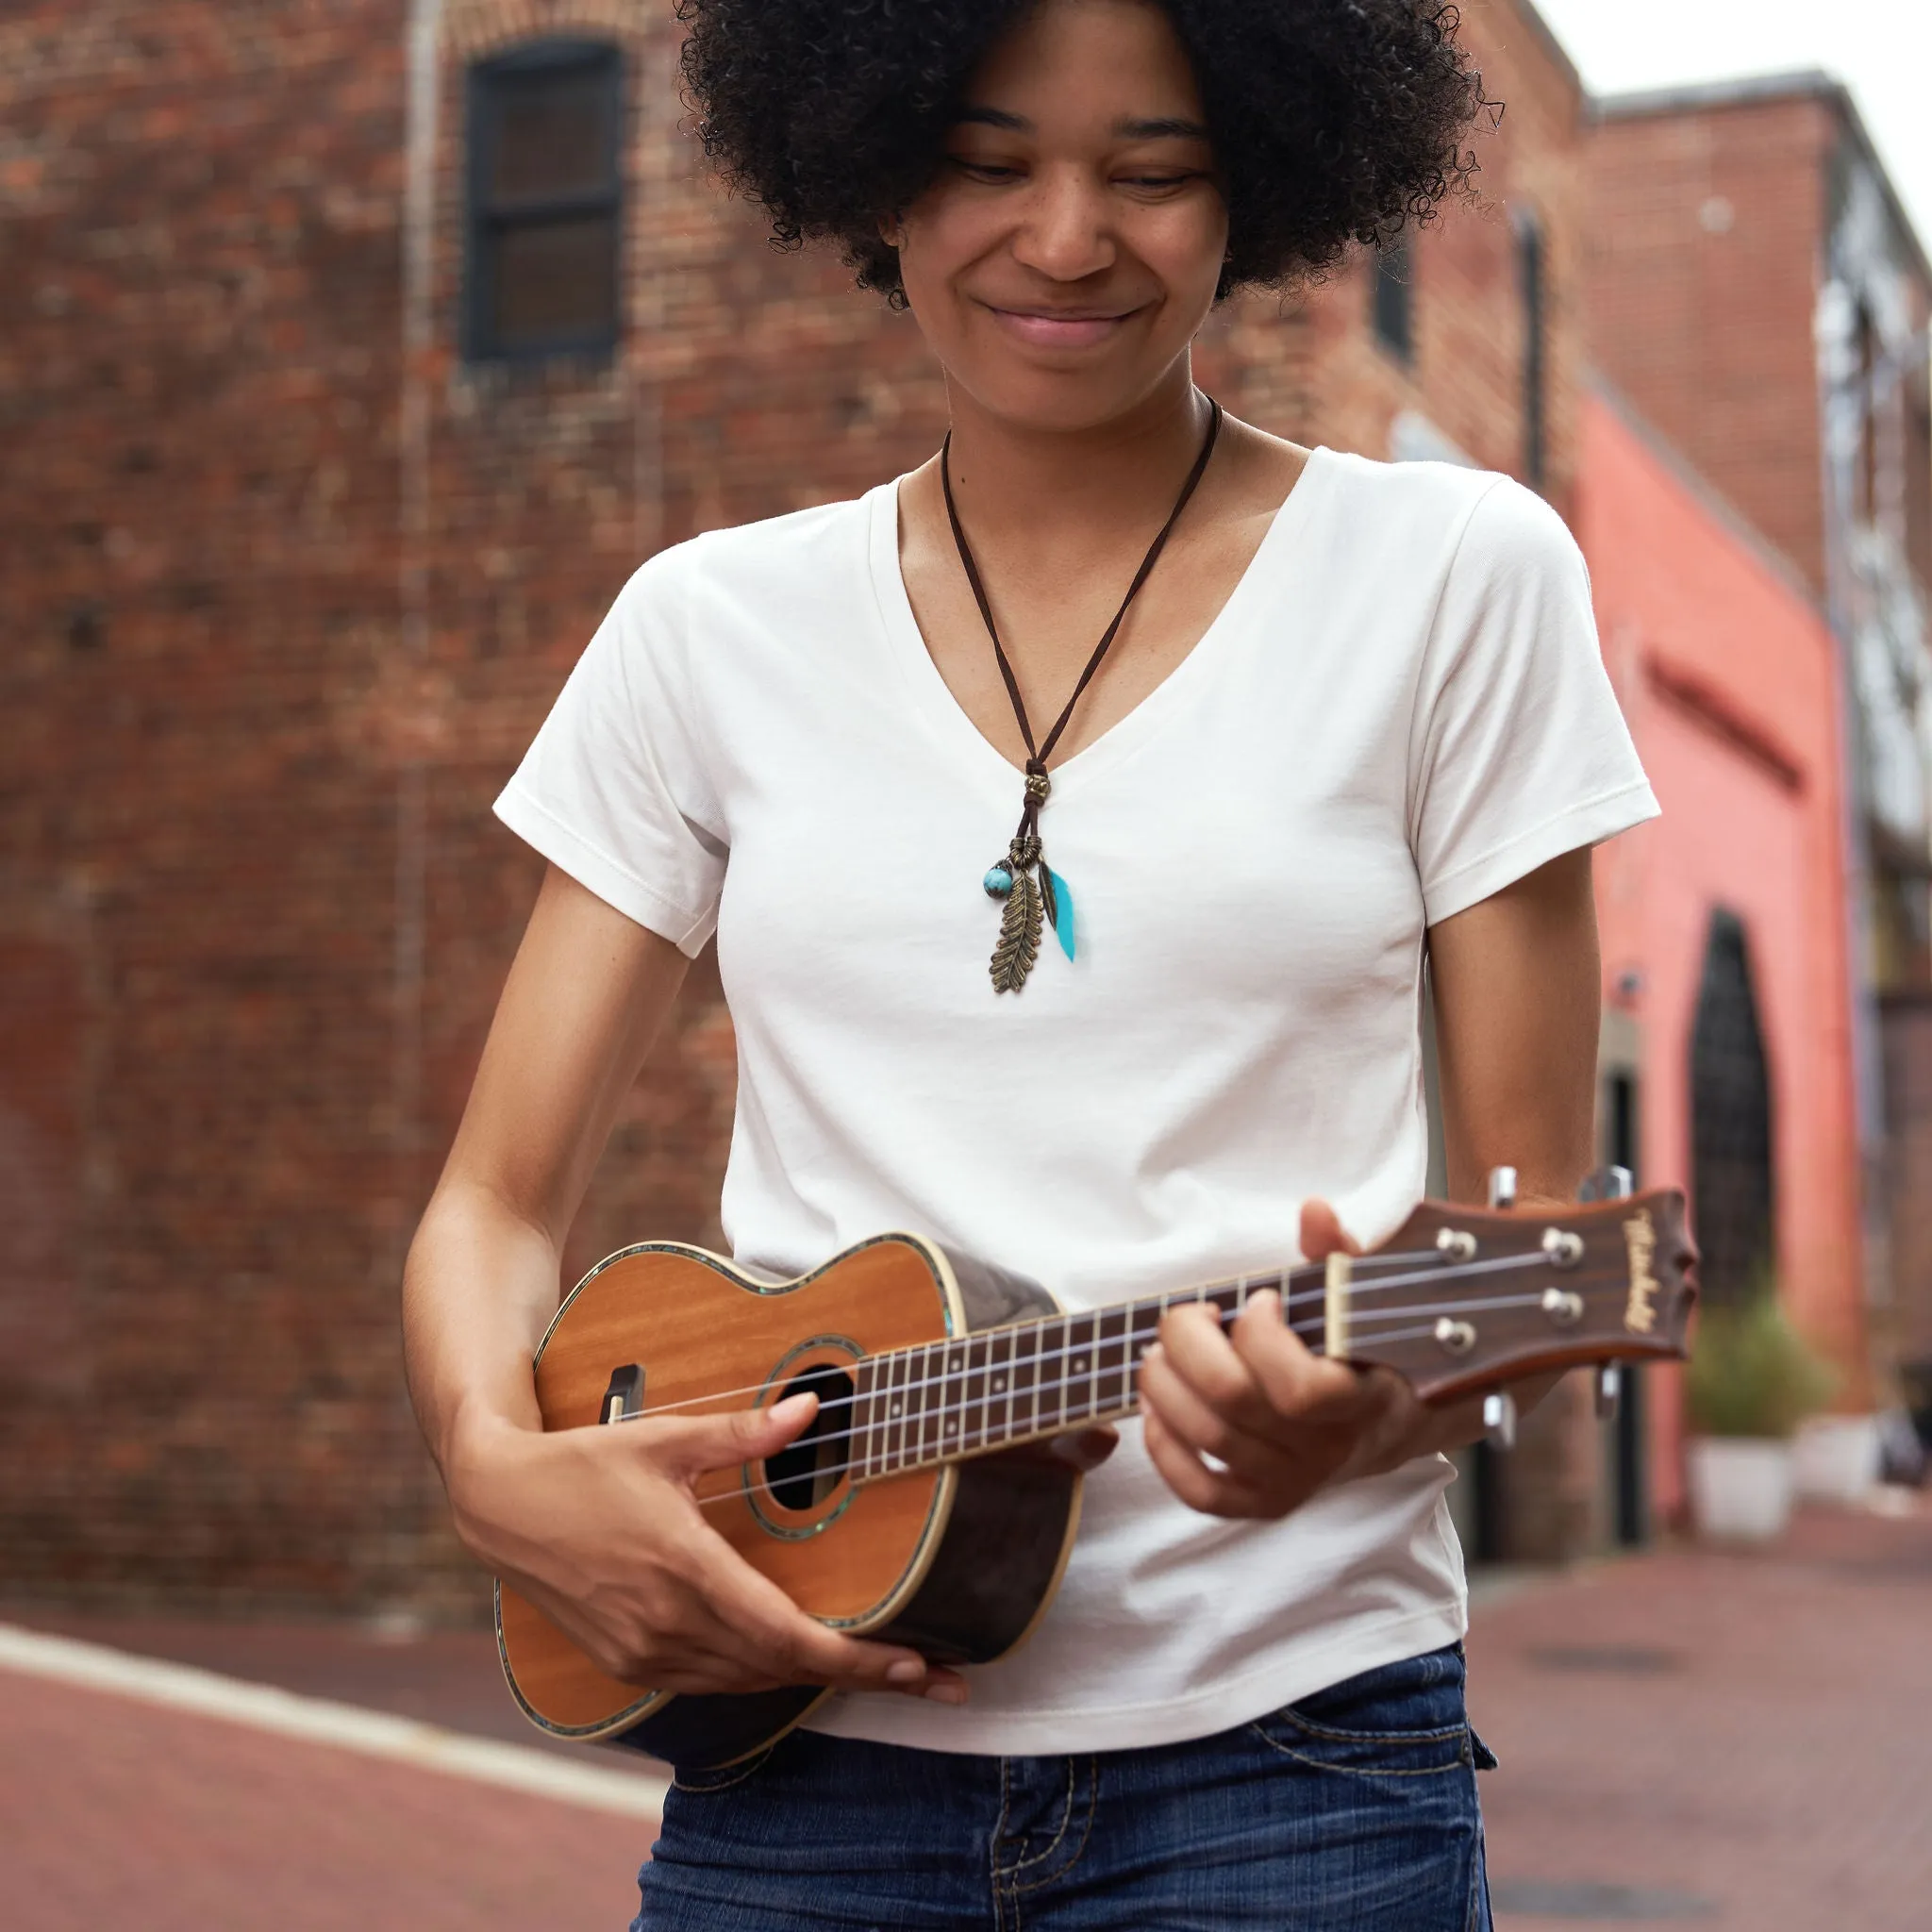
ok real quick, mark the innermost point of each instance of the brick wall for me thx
(198, 568)
(1707, 228)
(285, 590)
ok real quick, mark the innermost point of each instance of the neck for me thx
(975, 1394)
(1017, 484)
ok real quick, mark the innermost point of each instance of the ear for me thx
(892, 231)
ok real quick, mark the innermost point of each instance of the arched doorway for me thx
(1731, 1172)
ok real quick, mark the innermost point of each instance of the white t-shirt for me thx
(1400, 709)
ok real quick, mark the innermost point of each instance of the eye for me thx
(1159, 184)
(983, 171)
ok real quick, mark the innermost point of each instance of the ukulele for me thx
(923, 1505)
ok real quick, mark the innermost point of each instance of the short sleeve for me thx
(613, 790)
(1518, 752)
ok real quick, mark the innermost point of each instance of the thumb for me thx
(716, 1441)
(1323, 1232)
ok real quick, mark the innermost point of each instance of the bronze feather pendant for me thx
(1019, 941)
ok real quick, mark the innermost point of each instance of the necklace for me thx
(1022, 879)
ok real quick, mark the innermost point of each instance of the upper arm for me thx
(585, 996)
(1517, 988)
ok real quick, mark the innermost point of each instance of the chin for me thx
(1069, 398)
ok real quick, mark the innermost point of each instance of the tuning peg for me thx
(1609, 1388)
(1499, 1419)
(1502, 1188)
(1610, 1183)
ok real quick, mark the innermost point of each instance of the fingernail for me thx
(946, 1692)
(908, 1669)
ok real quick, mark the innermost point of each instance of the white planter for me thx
(1834, 1458)
(1740, 1487)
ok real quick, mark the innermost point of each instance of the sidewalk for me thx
(1741, 1742)
(1688, 1738)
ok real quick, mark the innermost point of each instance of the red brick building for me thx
(1756, 290)
(350, 359)
(1726, 994)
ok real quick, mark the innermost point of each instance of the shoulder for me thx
(772, 560)
(1478, 521)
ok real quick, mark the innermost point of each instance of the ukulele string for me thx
(1187, 1299)
(991, 1399)
(740, 1489)
(1244, 1284)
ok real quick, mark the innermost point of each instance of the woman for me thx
(1353, 715)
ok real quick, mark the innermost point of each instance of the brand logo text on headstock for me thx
(1640, 1239)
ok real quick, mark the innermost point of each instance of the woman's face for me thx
(1068, 247)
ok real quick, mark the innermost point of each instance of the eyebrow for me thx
(1163, 127)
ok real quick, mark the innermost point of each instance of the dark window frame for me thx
(1533, 287)
(1392, 300)
(485, 224)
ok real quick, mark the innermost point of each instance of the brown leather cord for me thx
(1037, 755)
(1024, 879)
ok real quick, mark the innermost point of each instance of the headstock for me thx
(1464, 1299)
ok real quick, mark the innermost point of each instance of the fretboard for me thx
(975, 1394)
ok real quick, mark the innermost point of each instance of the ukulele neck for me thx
(973, 1394)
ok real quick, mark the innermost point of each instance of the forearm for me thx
(479, 1290)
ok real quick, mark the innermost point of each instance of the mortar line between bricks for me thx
(320, 1720)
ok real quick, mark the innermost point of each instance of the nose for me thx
(1065, 227)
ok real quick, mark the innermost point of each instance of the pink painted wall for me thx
(1727, 675)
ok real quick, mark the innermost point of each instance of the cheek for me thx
(1185, 245)
(944, 234)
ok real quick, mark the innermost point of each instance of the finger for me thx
(1197, 1351)
(1294, 1380)
(1086, 1449)
(1191, 1479)
(1323, 1232)
(797, 1646)
(634, 1655)
(689, 1445)
(1203, 1430)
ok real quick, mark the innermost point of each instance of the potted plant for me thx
(1751, 1381)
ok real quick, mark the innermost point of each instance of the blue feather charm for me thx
(1059, 907)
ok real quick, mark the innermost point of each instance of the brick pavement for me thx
(1750, 1732)
(114, 1812)
(1747, 1739)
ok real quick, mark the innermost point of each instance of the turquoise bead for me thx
(998, 882)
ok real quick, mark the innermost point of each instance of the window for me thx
(1730, 1122)
(1531, 282)
(1392, 300)
(545, 201)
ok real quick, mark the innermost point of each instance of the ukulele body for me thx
(958, 1562)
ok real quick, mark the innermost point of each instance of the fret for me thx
(1082, 1358)
(899, 1375)
(1143, 1326)
(972, 1424)
(952, 1398)
(921, 1390)
(999, 1386)
(1020, 1420)
(1111, 1377)
(1050, 1378)
(858, 1446)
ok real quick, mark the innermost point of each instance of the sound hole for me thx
(804, 1474)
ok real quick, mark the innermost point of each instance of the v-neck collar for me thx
(942, 712)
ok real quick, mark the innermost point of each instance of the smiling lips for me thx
(1060, 329)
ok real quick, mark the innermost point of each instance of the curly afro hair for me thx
(1333, 121)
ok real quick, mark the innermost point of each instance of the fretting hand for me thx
(1248, 1421)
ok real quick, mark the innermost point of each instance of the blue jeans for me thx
(1354, 1810)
